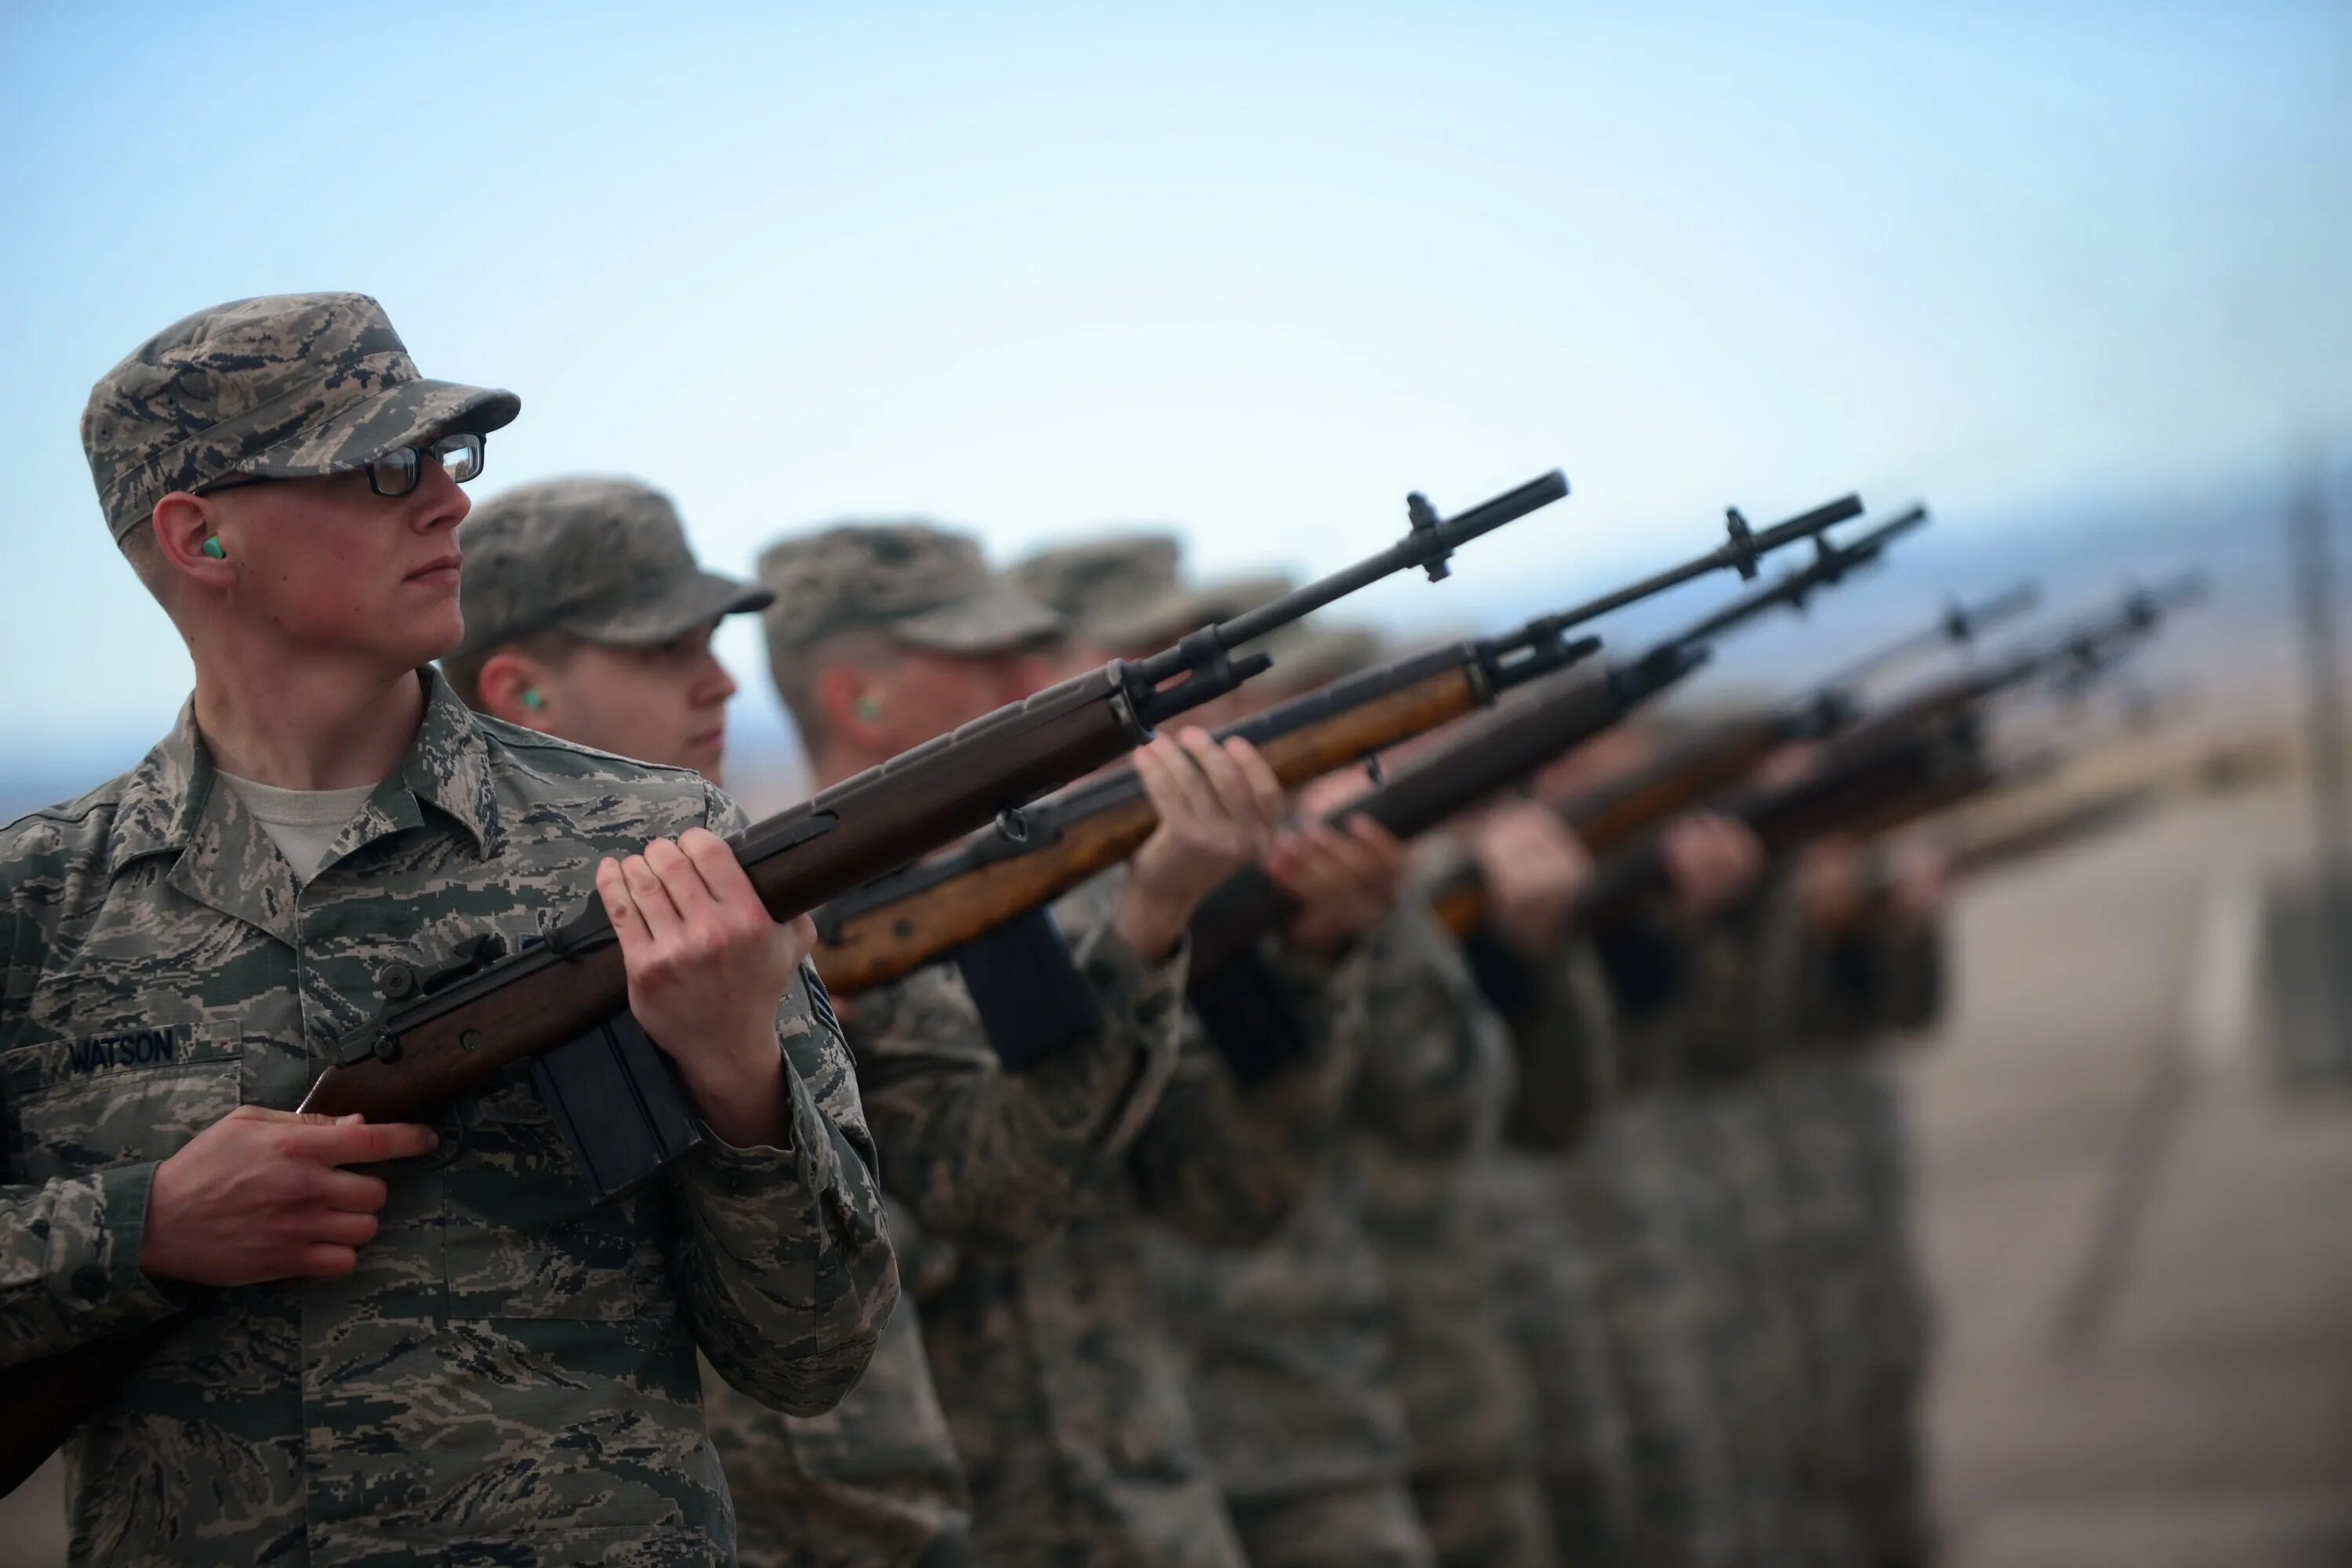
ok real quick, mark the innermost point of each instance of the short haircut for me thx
(464, 673)
(146, 557)
(796, 673)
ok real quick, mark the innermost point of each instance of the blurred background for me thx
(2075, 276)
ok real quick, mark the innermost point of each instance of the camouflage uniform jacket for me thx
(1429, 1109)
(1049, 1354)
(508, 1375)
(872, 1483)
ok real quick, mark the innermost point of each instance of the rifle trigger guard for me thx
(1013, 825)
(1423, 518)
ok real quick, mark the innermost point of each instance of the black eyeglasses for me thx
(398, 471)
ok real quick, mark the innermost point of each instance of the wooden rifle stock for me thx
(456, 1037)
(1615, 814)
(1848, 788)
(897, 925)
(1507, 747)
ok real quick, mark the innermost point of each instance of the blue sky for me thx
(1253, 270)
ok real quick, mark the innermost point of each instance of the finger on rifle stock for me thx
(722, 873)
(1265, 790)
(681, 879)
(650, 898)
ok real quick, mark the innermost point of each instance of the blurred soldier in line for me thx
(442, 1353)
(1873, 969)
(1643, 1456)
(586, 617)
(1059, 1386)
(1289, 1353)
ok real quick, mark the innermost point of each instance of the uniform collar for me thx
(173, 803)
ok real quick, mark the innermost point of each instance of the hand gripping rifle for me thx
(562, 1006)
(931, 909)
(1500, 751)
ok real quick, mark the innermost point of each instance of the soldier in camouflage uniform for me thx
(1289, 1354)
(385, 1342)
(1872, 969)
(1049, 1355)
(587, 618)
(1429, 1114)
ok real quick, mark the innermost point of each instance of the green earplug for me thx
(213, 548)
(533, 699)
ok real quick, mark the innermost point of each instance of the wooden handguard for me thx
(882, 944)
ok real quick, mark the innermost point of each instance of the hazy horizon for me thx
(1033, 269)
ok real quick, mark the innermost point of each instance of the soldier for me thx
(1049, 1356)
(1642, 1468)
(1290, 1359)
(587, 618)
(1874, 970)
(444, 1352)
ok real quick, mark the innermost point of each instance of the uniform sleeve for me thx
(1569, 1051)
(1886, 977)
(1224, 1164)
(69, 1262)
(782, 1255)
(68, 1247)
(1431, 1040)
(992, 1162)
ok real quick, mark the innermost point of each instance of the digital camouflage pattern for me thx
(603, 559)
(285, 387)
(508, 1376)
(1639, 1210)
(1536, 1204)
(1860, 1297)
(924, 585)
(1428, 1113)
(872, 1483)
(1116, 591)
(1124, 593)
(1290, 1363)
(1047, 1347)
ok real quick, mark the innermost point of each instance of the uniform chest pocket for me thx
(133, 1094)
(519, 1234)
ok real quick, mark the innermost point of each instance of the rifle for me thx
(1888, 777)
(1939, 726)
(1508, 747)
(1923, 757)
(2216, 773)
(1619, 810)
(562, 1006)
(899, 922)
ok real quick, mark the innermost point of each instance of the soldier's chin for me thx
(432, 636)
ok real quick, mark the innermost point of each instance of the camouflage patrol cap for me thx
(1313, 652)
(286, 386)
(1116, 591)
(602, 559)
(925, 586)
(1125, 592)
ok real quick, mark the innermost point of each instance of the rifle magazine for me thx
(619, 1104)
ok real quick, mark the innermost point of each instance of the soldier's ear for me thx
(183, 525)
(850, 699)
(504, 685)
